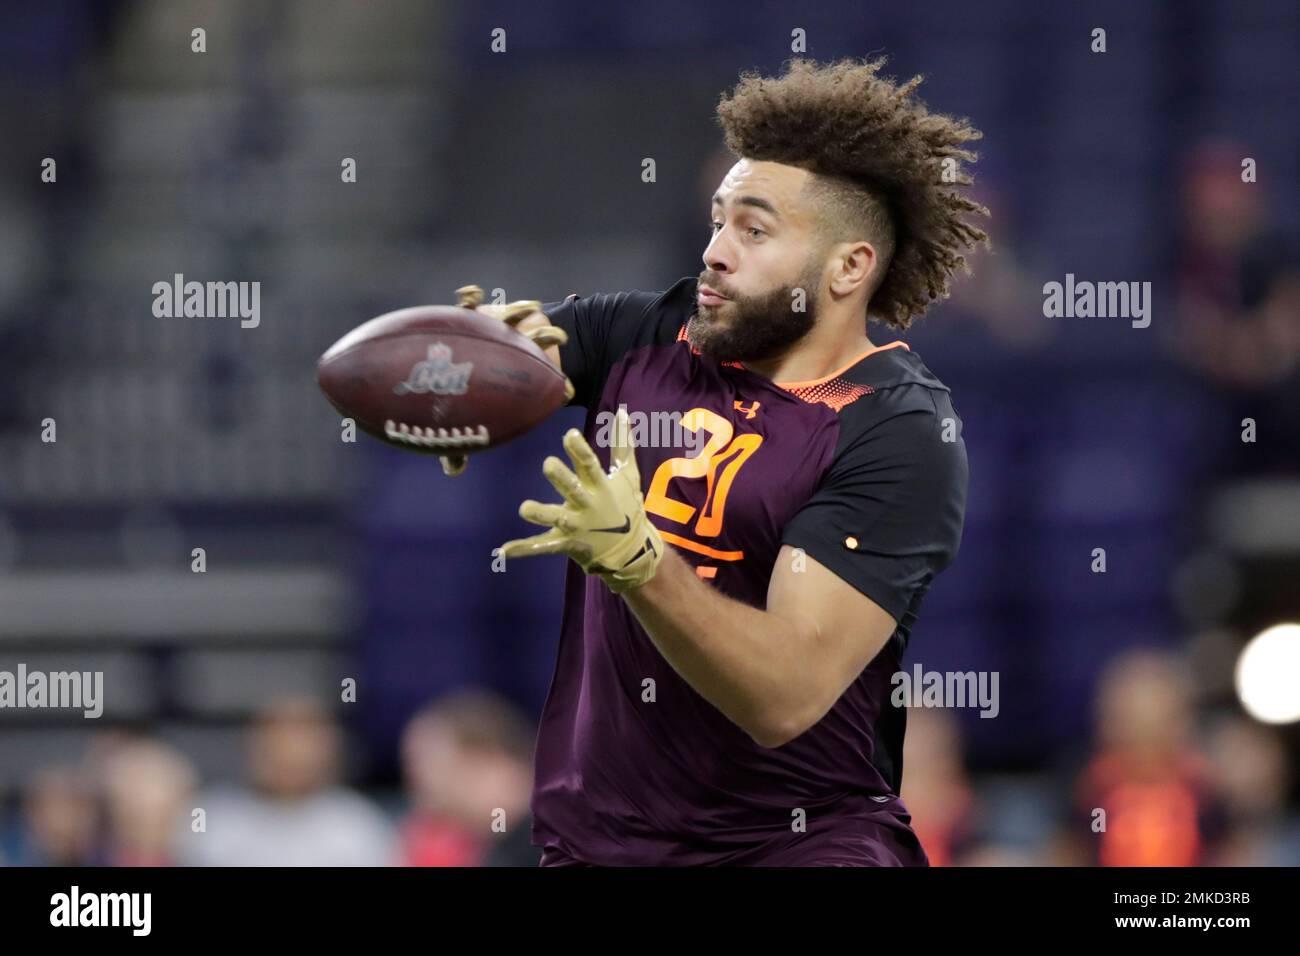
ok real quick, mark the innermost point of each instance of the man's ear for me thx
(857, 266)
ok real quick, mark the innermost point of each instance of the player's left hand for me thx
(602, 524)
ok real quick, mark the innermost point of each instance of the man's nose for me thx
(719, 257)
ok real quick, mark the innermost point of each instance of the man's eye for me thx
(753, 231)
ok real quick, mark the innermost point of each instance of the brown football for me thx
(440, 379)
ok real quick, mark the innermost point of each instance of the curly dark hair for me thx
(880, 159)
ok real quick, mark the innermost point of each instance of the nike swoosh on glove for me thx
(602, 524)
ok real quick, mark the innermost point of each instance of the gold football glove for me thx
(602, 524)
(512, 313)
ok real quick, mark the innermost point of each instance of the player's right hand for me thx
(526, 317)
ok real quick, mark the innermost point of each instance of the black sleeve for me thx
(887, 516)
(603, 327)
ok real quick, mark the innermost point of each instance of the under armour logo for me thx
(749, 412)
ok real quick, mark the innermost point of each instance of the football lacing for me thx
(436, 437)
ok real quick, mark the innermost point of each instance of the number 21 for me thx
(717, 463)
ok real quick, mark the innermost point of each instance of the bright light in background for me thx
(1268, 675)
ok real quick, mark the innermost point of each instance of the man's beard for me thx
(754, 328)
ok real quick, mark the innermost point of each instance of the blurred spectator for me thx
(936, 788)
(1160, 806)
(295, 813)
(1238, 279)
(59, 818)
(467, 760)
(148, 793)
(1249, 764)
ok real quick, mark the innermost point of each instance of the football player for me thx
(734, 611)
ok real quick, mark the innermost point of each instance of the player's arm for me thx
(897, 494)
(774, 672)
(885, 519)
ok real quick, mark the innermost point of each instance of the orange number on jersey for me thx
(710, 523)
(718, 449)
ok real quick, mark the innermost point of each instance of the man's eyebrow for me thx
(755, 201)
